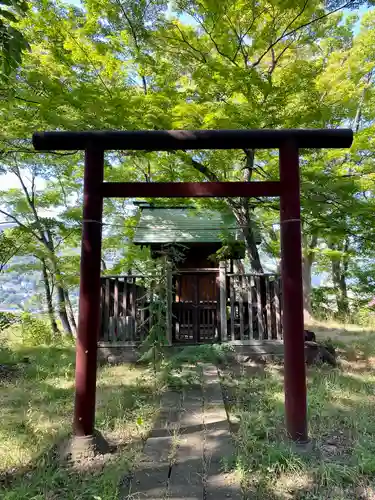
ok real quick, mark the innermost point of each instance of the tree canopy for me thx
(137, 64)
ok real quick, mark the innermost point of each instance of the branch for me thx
(175, 50)
(21, 99)
(296, 17)
(135, 38)
(241, 38)
(132, 29)
(92, 64)
(20, 224)
(285, 34)
(30, 199)
(62, 190)
(33, 186)
(218, 50)
(62, 239)
(190, 45)
(32, 152)
(265, 174)
(144, 83)
(249, 166)
(313, 242)
(358, 115)
(277, 59)
(14, 250)
(204, 170)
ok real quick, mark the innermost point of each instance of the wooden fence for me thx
(253, 307)
(124, 309)
(200, 305)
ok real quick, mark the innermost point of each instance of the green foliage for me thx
(35, 331)
(12, 40)
(152, 348)
(322, 302)
(231, 250)
(363, 316)
(190, 64)
(216, 353)
(7, 320)
(36, 412)
(12, 242)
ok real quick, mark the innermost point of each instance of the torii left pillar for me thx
(86, 439)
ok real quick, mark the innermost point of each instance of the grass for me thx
(338, 330)
(36, 407)
(341, 405)
(181, 366)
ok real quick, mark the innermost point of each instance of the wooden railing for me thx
(254, 307)
(124, 309)
(219, 307)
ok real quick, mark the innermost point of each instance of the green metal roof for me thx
(182, 225)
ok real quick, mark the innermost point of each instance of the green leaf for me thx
(8, 15)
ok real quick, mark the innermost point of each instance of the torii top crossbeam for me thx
(169, 140)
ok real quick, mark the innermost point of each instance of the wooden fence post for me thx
(223, 301)
(168, 306)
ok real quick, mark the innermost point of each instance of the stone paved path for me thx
(184, 456)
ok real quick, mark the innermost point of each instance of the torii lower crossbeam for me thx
(288, 188)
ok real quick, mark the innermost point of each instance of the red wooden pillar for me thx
(89, 297)
(291, 273)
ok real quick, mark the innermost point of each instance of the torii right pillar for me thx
(292, 292)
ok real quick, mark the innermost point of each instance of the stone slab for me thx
(223, 487)
(218, 443)
(151, 475)
(169, 415)
(186, 479)
(149, 481)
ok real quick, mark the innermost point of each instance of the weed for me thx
(340, 405)
(204, 353)
(36, 410)
(35, 331)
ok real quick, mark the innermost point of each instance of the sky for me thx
(362, 10)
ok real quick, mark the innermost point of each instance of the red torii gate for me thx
(287, 188)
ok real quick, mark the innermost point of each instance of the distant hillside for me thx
(24, 290)
(18, 289)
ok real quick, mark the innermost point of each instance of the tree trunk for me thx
(339, 270)
(71, 313)
(339, 282)
(62, 310)
(306, 276)
(50, 308)
(307, 262)
(243, 220)
(240, 267)
(241, 209)
(60, 292)
(343, 286)
(343, 304)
